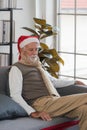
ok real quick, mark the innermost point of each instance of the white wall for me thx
(24, 17)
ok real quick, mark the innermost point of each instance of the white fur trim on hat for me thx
(29, 40)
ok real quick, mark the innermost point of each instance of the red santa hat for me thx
(25, 40)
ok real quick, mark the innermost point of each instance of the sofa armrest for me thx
(72, 89)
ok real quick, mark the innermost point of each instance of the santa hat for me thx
(25, 40)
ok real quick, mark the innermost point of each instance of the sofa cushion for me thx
(28, 123)
(4, 89)
(72, 89)
(10, 109)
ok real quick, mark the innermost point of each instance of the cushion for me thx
(72, 89)
(10, 109)
(4, 80)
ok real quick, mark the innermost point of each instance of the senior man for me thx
(31, 87)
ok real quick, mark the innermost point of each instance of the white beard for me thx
(30, 60)
(33, 59)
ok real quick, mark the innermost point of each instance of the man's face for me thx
(30, 51)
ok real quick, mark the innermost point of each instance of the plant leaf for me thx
(37, 27)
(52, 72)
(44, 46)
(31, 30)
(53, 64)
(47, 34)
(55, 55)
(42, 22)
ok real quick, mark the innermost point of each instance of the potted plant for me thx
(49, 57)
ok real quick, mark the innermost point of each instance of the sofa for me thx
(14, 117)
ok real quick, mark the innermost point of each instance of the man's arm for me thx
(15, 85)
(59, 83)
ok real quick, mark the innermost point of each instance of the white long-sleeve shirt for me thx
(58, 83)
(15, 85)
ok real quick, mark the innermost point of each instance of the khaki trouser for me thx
(70, 106)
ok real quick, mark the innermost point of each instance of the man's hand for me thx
(77, 82)
(42, 115)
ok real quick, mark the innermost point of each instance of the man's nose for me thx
(35, 52)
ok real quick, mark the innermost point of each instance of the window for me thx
(72, 38)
